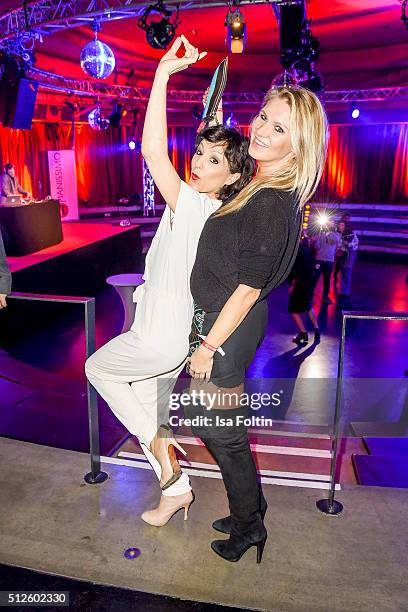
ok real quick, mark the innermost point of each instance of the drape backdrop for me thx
(366, 163)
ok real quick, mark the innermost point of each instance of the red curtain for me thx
(181, 149)
(366, 163)
(106, 168)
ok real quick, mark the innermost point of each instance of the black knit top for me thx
(256, 246)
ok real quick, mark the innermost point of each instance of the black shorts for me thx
(240, 347)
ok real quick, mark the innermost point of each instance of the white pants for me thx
(135, 380)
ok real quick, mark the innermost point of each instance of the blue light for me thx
(355, 113)
(132, 145)
(231, 121)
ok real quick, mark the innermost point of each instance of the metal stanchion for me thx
(330, 505)
(95, 476)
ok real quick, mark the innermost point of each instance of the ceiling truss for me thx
(43, 17)
(101, 90)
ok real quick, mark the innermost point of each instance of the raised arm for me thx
(154, 139)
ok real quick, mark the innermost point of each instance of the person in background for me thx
(301, 287)
(339, 258)
(10, 184)
(5, 275)
(346, 218)
(347, 255)
(326, 243)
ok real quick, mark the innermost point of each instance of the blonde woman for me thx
(246, 249)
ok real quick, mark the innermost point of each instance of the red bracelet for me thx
(209, 346)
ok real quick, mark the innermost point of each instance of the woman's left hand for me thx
(171, 63)
(200, 364)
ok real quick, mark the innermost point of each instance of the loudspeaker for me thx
(20, 104)
(10, 73)
(291, 25)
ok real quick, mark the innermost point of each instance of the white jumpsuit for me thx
(136, 371)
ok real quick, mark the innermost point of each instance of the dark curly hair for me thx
(236, 154)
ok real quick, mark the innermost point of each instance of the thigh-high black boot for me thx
(229, 446)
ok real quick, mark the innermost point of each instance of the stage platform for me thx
(79, 265)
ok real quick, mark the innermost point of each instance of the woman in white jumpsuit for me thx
(136, 371)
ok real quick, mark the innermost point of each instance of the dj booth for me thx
(28, 228)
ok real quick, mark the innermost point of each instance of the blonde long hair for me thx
(309, 135)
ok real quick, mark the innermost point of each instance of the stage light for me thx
(236, 30)
(231, 121)
(29, 58)
(313, 81)
(159, 33)
(135, 145)
(97, 59)
(355, 112)
(72, 105)
(116, 115)
(299, 49)
(322, 219)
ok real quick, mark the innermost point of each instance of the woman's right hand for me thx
(170, 63)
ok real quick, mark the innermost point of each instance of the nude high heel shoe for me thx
(169, 505)
(162, 446)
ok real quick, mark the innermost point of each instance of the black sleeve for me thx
(263, 234)
(5, 276)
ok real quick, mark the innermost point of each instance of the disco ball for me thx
(287, 78)
(96, 120)
(97, 59)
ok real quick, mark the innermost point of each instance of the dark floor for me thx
(89, 597)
